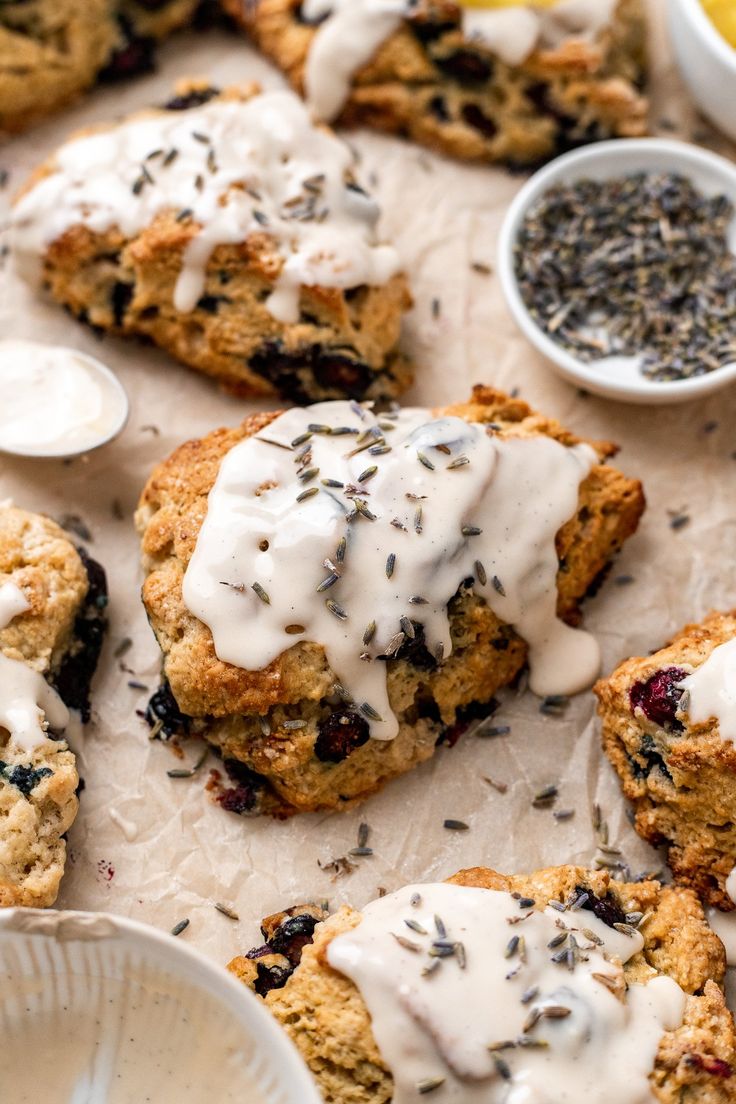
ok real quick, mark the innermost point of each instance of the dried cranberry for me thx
(465, 66)
(339, 735)
(659, 696)
(195, 98)
(464, 717)
(478, 120)
(708, 1064)
(243, 797)
(605, 908)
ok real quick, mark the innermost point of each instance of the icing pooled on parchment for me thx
(351, 31)
(26, 699)
(469, 1004)
(234, 169)
(354, 531)
(710, 691)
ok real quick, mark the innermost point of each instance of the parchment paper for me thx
(157, 849)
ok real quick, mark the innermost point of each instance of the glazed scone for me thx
(53, 50)
(516, 85)
(418, 630)
(512, 986)
(668, 724)
(231, 231)
(52, 622)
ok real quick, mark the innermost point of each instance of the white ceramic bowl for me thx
(99, 1008)
(706, 61)
(616, 378)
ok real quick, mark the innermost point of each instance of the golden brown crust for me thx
(345, 343)
(37, 557)
(326, 1017)
(430, 83)
(228, 701)
(52, 50)
(679, 776)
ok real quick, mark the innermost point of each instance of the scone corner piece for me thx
(57, 637)
(678, 773)
(326, 1016)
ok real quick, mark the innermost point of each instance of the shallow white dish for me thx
(707, 62)
(615, 378)
(99, 1009)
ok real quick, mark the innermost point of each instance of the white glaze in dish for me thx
(56, 401)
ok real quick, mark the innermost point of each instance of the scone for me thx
(335, 591)
(232, 232)
(52, 622)
(517, 84)
(669, 726)
(52, 50)
(559, 985)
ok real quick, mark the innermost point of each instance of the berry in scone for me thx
(669, 729)
(53, 50)
(336, 591)
(495, 81)
(231, 231)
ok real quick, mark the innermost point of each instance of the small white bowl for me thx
(615, 377)
(707, 62)
(96, 1007)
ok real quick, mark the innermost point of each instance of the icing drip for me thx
(469, 1027)
(26, 699)
(711, 691)
(351, 31)
(259, 167)
(356, 535)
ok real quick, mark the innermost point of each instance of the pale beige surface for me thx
(173, 852)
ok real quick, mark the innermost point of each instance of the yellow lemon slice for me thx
(721, 12)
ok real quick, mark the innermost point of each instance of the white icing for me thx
(731, 885)
(27, 701)
(724, 925)
(442, 1025)
(352, 31)
(518, 492)
(55, 400)
(263, 167)
(711, 691)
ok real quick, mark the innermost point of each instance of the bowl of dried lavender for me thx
(618, 262)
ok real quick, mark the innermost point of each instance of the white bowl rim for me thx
(573, 369)
(696, 13)
(78, 926)
(121, 394)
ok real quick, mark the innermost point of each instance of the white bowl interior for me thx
(616, 377)
(113, 1012)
